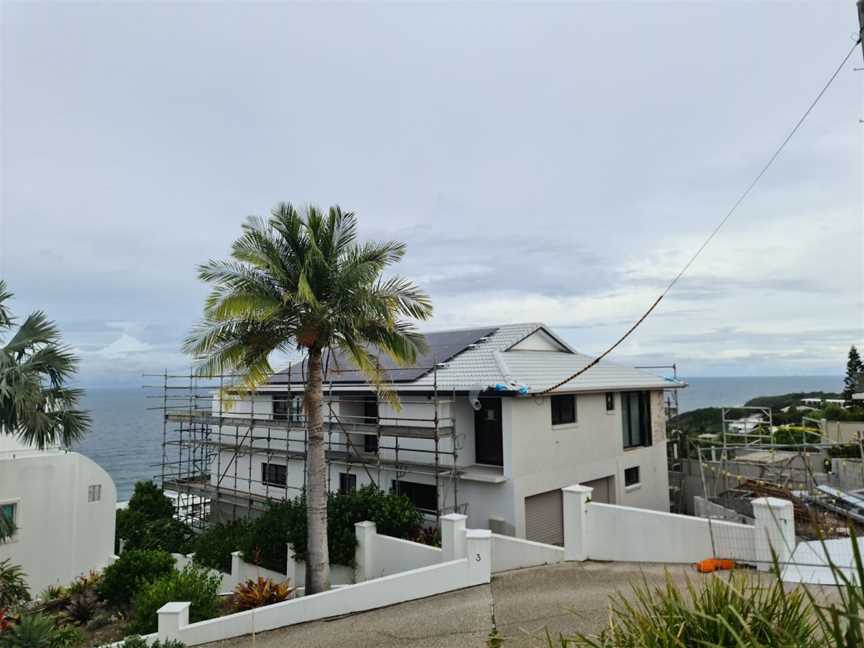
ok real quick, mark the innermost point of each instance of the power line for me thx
(719, 226)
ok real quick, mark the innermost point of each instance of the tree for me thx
(302, 281)
(35, 403)
(854, 373)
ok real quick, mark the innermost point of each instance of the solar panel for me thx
(443, 346)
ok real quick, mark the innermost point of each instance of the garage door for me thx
(544, 518)
(603, 492)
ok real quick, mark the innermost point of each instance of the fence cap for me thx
(174, 607)
(365, 524)
(771, 502)
(454, 516)
(578, 488)
(478, 534)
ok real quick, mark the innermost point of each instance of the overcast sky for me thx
(553, 163)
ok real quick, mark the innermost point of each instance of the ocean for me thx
(126, 436)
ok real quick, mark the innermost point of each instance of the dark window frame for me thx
(636, 419)
(628, 476)
(563, 409)
(347, 483)
(424, 497)
(286, 407)
(274, 474)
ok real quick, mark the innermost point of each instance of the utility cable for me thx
(719, 226)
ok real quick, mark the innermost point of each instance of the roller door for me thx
(544, 518)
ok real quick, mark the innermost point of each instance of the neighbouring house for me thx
(63, 505)
(476, 433)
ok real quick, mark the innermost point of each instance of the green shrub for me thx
(193, 584)
(13, 585)
(140, 532)
(149, 523)
(131, 571)
(148, 500)
(393, 515)
(213, 547)
(40, 631)
(738, 611)
(136, 641)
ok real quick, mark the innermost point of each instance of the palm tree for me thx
(301, 281)
(35, 403)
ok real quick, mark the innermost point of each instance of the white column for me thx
(236, 567)
(290, 565)
(478, 546)
(575, 500)
(172, 617)
(775, 529)
(364, 554)
(452, 536)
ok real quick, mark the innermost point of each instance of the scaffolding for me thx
(211, 431)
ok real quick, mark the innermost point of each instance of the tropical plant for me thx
(737, 611)
(35, 403)
(39, 631)
(13, 584)
(194, 584)
(301, 281)
(214, 545)
(83, 606)
(131, 571)
(261, 591)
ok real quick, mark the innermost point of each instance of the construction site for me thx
(211, 430)
(719, 475)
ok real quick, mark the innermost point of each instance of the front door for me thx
(488, 443)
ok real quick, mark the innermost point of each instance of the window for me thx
(286, 407)
(636, 418)
(94, 492)
(274, 474)
(423, 496)
(631, 476)
(347, 483)
(370, 417)
(10, 512)
(610, 401)
(563, 409)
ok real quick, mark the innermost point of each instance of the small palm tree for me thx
(35, 403)
(301, 281)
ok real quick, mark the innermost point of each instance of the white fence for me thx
(512, 553)
(389, 570)
(620, 533)
(472, 569)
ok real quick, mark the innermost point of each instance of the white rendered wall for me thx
(60, 534)
(546, 457)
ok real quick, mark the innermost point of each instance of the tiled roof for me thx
(489, 364)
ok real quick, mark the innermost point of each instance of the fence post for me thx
(452, 536)
(290, 564)
(774, 529)
(364, 554)
(478, 545)
(172, 616)
(236, 560)
(575, 500)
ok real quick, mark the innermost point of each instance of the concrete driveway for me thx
(564, 598)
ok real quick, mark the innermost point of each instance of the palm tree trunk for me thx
(317, 553)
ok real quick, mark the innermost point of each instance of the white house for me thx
(63, 505)
(476, 433)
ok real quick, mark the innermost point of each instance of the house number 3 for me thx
(477, 558)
